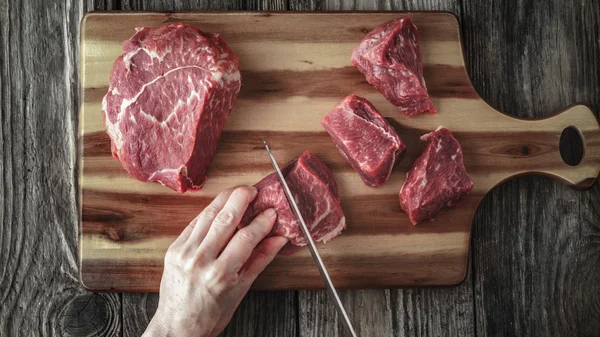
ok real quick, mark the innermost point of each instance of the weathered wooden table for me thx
(535, 261)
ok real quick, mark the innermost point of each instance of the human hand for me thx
(209, 269)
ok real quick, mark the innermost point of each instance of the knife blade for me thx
(311, 244)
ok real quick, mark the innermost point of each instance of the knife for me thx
(311, 244)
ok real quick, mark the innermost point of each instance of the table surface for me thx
(535, 260)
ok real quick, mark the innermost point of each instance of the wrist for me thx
(157, 328)
(163, 325)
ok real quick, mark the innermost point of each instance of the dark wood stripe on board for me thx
(483, 151)
(129, 216)
(336, 83)
(144, 275)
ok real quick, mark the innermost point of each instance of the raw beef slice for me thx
(365, 139)
(169, 96)
(390, 58)
(438, 178)
(316, 194)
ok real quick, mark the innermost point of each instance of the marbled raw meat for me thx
(438, 178)
(390, 58)
(314, 190)
(169, 96)
(365, 139)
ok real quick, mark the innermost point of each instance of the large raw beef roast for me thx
(390, 58)
(169, 96)
(316, 194)
(438, 178)
(365, 139)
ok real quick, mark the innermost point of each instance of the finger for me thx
(197, 229)
(207, 216)
(242, 244)
(184, 234)
(187, 231)
(290, 249)
(226, 221)
(261, 256)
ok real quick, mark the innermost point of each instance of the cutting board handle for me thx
(533, 147)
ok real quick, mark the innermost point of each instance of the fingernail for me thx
(254, 189)
(270, 212)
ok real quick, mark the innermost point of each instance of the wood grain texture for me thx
(369, 310)
(40, 293)
(535, 245)
(124, 232)
(138, 309)
(269, 314)
(558, 68)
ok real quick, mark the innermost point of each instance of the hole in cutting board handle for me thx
(571, 146)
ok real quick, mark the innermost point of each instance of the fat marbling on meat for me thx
(437, 179)
(390, 58)
(314, 190)
(365, 139)
(170, 94)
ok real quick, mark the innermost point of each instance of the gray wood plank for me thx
(403, 5)
(93, 5)
(537, 261)
(39, 281)
(370, 311)
(428, 312)
(179, 5)
(268, 314)
(305, 5)
(138, 310)
(259, 314)
(536, 241)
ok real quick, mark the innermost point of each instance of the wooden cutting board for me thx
(295, 68)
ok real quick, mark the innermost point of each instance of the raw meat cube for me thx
(390, 58)
(316, 193)
(438, 178)
(365, 139)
